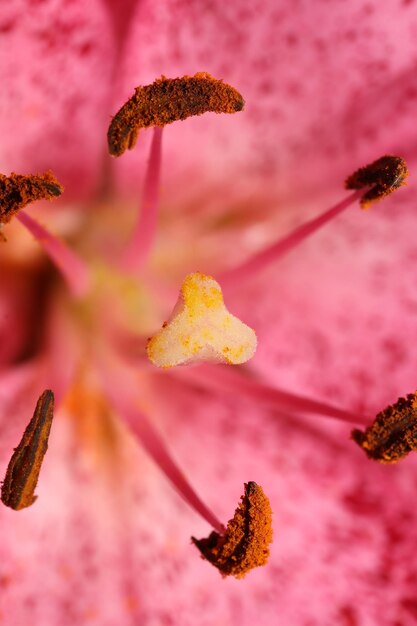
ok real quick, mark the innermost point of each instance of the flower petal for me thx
(344, 326)
(55, 74)
(326, 87)
(111, 540)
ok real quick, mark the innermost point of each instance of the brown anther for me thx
(168, 100)
(245, 543)
(383, 176)
(394, 432)
(17, 191)
(22, 473)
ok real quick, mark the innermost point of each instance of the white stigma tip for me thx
(201, 329)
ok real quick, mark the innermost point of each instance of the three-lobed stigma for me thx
(383, 176)
(393, 434)
(18, 190)
(246, 540)
(201, 329)
(167, 100)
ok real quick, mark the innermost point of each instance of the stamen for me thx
(24, 467)
(245, 543)
(17, 191)
(144, 234)
(281, 248)
(393, 434)
(201, 329)
(67, 262)
(154, 445)
(384, 176)
(168, 100)
(235, 382)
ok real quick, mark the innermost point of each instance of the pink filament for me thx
(143, 236)
(227, 380)
(282, 247)
(156, 448)
(68, 263)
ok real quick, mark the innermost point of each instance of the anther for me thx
(393, 434)
(384, 176)
(246, 540)
(168, 100)
(201, 329)
(22, 473)
(17, 191)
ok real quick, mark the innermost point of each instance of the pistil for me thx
(201, 329)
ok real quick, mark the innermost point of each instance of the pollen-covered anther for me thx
(22, 473)
(393, 434)
(383, 176)
(246, 540)
(168, 100)
(201, 329)
(18, 190)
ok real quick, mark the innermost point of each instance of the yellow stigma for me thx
(201, 329)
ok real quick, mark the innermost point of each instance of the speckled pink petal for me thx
(341, 551)
(337, 318)
(107, 541)
(55, 70)
(326, 87)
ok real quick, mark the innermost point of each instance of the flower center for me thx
(116, 303)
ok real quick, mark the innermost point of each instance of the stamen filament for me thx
(279, 249)
(67, 262)
(231, 381)
(144, 233)
(154, 445)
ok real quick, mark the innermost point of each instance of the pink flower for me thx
(328, 87)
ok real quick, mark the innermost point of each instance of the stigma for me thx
(383, 176)
(201, 329)
(168, 100)
(246, 540)
(393, 434)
